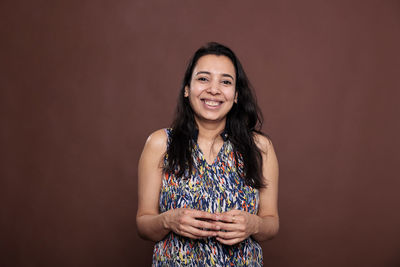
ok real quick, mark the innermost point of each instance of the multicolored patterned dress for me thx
(214, 187)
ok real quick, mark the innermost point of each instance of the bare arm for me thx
(151, 224)
(238, 224)
(268, 219)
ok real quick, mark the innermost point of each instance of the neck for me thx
(210, 130)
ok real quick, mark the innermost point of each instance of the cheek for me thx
(195, 90)
(230, 94)
(193, 99)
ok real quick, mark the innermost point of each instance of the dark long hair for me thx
(242, 122)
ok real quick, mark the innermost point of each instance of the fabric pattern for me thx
(214, 187)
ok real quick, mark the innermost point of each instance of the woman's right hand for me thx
(191, 223)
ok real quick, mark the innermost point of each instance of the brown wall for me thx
(83, 83)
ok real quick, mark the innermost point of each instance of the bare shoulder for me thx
(263, 143)
(157, 141)
(270, 165)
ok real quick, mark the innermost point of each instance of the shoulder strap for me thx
(168, 131)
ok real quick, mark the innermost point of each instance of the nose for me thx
(214, 87)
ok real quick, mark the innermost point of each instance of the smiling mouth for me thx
(212, 103)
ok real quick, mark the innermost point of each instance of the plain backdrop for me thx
(83, 83)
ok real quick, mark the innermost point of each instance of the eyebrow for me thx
(209, 73)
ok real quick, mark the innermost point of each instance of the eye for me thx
(226, 82)
(202, 79)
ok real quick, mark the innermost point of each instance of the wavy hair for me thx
(242, 122)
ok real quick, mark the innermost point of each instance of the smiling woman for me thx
(208, 186)
(212, 90)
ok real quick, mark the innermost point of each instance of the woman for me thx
(208, 186)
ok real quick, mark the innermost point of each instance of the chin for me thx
(211, 118)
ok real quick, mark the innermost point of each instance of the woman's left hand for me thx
(236, 226)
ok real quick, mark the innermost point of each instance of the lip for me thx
(204, 100)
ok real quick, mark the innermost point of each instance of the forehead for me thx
(215, 64)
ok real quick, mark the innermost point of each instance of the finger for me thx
(230, 235)
(210, 225)
(200, 222)
(198, 232)
(198, 214)
(229, 242)
(195, 218)
(227, 218)
(186, 234)
(230, 217)
(231, 227)
(231, 212)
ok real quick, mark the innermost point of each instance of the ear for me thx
(186, 93)
(236, 98)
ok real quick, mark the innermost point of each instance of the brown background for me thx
(83, 83)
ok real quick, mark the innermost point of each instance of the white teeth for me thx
(211, 103)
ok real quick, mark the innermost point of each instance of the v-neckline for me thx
(216, 157)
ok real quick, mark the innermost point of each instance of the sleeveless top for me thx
(215, 187)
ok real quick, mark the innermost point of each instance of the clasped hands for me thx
(229, 228)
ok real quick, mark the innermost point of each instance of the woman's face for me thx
(212, 88)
